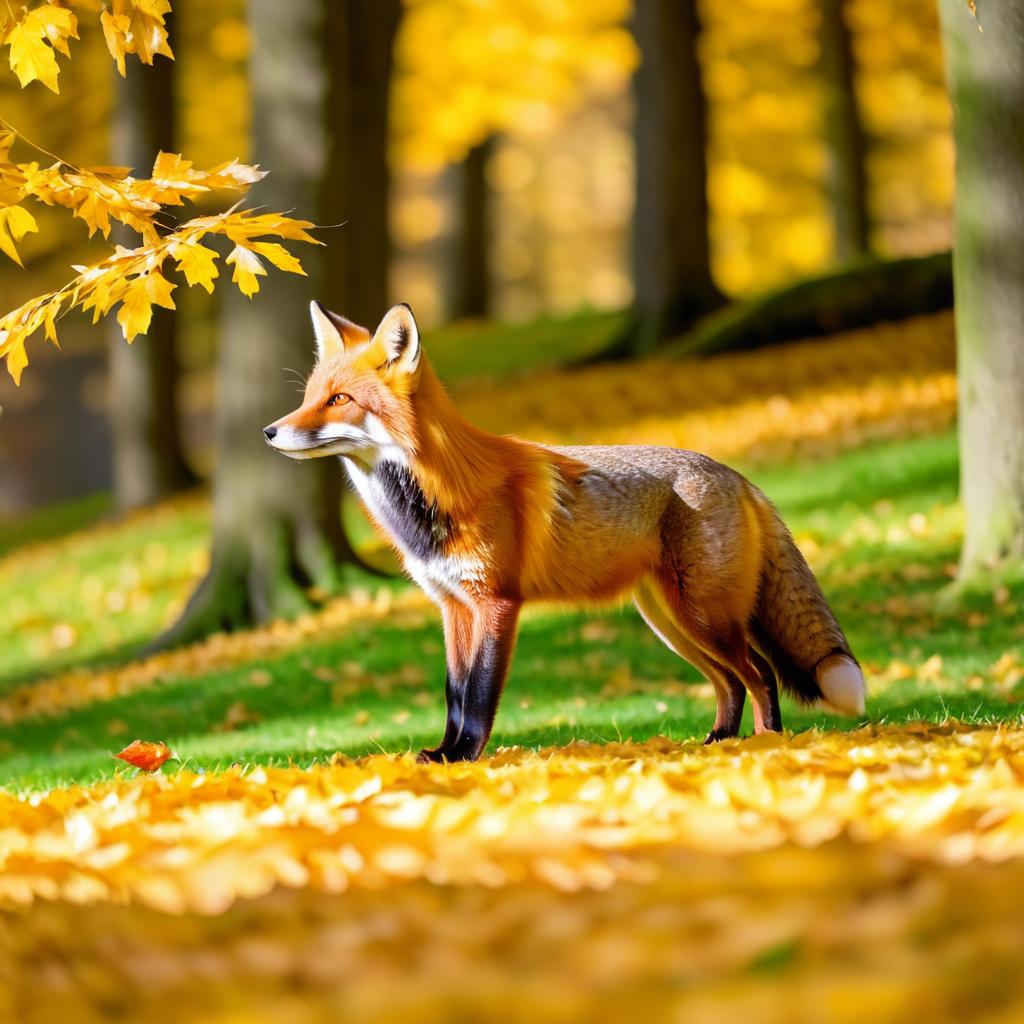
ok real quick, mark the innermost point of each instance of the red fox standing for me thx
(485, 523)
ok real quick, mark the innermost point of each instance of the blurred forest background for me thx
(481, 157)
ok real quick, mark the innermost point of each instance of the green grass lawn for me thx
(881, 523)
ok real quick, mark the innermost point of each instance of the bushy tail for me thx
(795, 629)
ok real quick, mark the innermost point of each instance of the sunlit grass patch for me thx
(102, 589)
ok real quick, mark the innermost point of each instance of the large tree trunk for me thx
(671, 249)
(470, 280)
(844, 135)
(985, 71)
(360, 37)
(148, 460)
(277, 526)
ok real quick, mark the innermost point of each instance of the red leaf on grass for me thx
(144, 755)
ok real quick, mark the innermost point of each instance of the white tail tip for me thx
(842, 684)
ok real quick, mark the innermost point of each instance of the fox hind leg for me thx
(731, 647)
(729, 691)
(771, 716)
(723, 644)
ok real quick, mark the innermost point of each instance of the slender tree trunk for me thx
(844, 134)
(470, 284)
(671, 248)
(148, 460)
(277, 526)
(985, 71)
(359, 37)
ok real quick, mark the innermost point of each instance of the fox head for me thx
(358, 399)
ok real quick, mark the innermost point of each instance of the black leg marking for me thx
(730, 709)
(473, 698)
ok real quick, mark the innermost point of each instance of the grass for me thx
(475, 350)
(53, 521)
(882, 527)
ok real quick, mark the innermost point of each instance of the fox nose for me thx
(270, 433)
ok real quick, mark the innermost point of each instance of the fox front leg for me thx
(478, 649)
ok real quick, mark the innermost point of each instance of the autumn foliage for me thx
(132, 279)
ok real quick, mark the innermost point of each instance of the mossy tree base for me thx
(261, 577)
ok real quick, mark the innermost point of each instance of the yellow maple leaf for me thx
(136, 26)
(248, 266)
(234, 175)
(174, 177)
(115, 32)
(15, 223)
(12, 347)
(132, 277)
(279, 256)
(32, 40)
(243, 225)
(143, 293)
(197, 262)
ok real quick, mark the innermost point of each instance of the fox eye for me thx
(339, 399)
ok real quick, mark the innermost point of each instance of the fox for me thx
(486, 524)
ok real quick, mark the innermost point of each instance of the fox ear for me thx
(399, 339)
(334, 333)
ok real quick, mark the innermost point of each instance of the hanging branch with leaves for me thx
(99, 196)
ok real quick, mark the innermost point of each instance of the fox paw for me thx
(443, 755)
(436, 756)
(719, 734)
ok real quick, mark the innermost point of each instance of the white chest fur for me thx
(416, 527)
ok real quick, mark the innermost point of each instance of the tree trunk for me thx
(470, 283)
(148, 460)
(359, 36)
(844, 135)
(671, 249)
(277, 525)
(985, 71)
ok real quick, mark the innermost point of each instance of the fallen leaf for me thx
(147, 756)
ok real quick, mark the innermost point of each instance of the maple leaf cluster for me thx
(34, 36)
(134, 278)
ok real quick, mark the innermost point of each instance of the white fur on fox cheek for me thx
(295, 443)
(367, 442)
(385, 444)
(342, 432)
